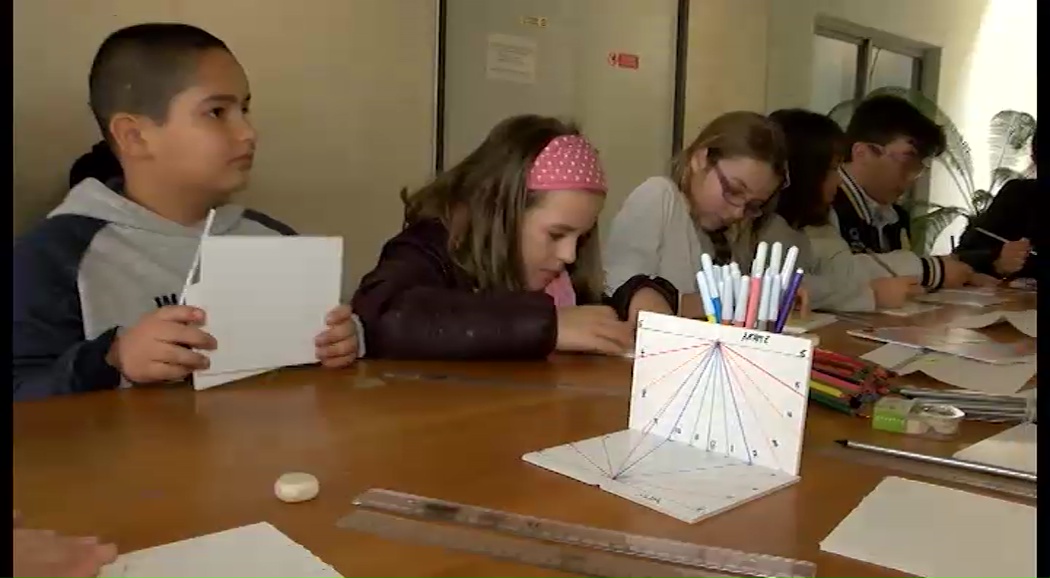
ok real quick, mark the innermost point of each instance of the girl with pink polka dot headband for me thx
(499, 257)
(567, 163)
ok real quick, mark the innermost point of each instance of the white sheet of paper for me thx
(256, 550)
(205, 380)
(891, 355)
(266, 298)
(511, 58)
(910, 309)
(930, 530)
(208, 379)
(1024, 321)
(956, 371)
(1013, 448)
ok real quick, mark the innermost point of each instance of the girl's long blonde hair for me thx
(483, 199)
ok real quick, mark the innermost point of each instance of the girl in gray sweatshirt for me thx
(719, 200)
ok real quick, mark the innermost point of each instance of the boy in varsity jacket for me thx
(96, 284)
(890, 144)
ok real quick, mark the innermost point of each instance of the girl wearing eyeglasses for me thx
(719, 200)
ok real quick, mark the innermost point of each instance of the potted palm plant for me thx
(1009, 147)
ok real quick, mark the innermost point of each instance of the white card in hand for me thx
(266, 298)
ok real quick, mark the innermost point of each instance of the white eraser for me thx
(296, 487)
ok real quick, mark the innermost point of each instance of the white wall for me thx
(987, 61)
(342, 96)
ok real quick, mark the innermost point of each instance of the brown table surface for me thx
(149, 466)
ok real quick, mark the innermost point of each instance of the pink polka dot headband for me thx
(568, 162)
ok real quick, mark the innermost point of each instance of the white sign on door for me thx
(511, 58)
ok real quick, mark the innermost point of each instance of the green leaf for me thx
(928, 227)
(1009, 140)
(843, 111)
(981, 200)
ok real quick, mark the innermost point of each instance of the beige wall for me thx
(726, 62)
(343, 92)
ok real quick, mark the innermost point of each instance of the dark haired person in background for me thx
(889, 145)
(99, 163)
(1013, 215)
(836, 279)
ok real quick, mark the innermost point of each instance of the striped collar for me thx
(856, 195)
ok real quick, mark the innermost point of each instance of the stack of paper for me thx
(258, 550)
(954, 370)
(1023, 321)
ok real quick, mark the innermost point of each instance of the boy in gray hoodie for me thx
(96, 284)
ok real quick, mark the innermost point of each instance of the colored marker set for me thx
(761, 300)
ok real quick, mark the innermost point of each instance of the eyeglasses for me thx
(908, 161)
(738, 198)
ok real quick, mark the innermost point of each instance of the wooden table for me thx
(150, 466)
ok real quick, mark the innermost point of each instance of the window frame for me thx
(925, 74)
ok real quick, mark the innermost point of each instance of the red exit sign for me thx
(623, 60)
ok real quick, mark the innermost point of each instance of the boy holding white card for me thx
(96, 284)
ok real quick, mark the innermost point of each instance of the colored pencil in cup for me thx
(742, 300)
(776, 251)
(728, 300)
(789, 267)
(774, 300)
(705, 296)
(788, 300)
(758, 265)
(764, 301)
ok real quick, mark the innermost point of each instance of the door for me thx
(609, 65)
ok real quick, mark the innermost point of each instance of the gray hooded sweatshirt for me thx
(97, 263)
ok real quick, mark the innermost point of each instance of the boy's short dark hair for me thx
(139, 69)
(881, 119)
